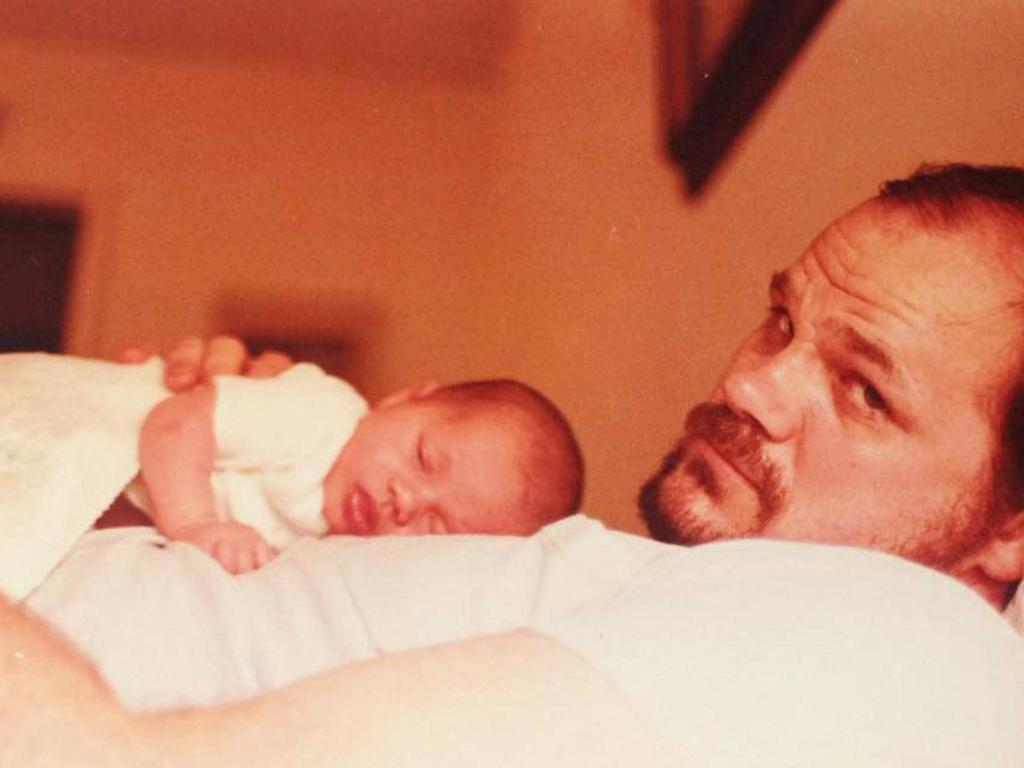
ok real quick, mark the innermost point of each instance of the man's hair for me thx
(961, 194)
(988, 199)
(552, 465)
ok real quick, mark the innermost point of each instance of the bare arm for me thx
(176, 453)
(54, 709)
(177, 449)
(510, 700)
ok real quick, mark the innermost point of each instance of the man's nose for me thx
(773, 391)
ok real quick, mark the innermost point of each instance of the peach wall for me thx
(525, 225)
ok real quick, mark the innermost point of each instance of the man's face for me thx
(418, 466)
(863, 410)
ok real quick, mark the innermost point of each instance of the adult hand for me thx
(193, 361)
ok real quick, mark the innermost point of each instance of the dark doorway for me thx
(37, 245)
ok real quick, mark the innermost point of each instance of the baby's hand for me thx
(237, 547)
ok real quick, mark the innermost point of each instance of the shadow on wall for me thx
(335, 332)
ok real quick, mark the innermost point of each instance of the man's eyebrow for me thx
(780, 284)
(853, 341)
(860, 345)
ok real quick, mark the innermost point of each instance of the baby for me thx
(242, 466)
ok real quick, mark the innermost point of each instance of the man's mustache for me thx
(740, 440)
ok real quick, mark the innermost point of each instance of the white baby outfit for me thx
(69, 444)
(276, 440)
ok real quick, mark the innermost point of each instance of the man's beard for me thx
(669, 500)
(668, 510)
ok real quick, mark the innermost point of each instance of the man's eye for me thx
(780, 322)
(873, 399)
(865, 395)
(775, 332)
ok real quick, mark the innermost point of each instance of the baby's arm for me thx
(176, 453)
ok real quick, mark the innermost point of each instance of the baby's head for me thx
(478, 457)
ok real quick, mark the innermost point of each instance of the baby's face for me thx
(416, 467)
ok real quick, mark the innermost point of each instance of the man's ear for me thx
(409, 394)
(1002, 557)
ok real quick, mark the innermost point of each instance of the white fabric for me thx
(182, 631)
(69, 431)
(758, 653)
(68, 444)
(276, 440)
(747, 653)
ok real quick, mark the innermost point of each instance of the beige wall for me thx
(521, 224)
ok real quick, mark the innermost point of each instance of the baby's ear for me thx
(409, 394)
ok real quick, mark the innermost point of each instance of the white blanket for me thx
(68, 445)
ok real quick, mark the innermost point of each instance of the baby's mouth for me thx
(359, 511)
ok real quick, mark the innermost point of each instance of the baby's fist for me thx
(235, 546)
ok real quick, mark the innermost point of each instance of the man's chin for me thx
(686, 529)
(677, 521)
(689, 506)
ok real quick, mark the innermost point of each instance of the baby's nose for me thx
(405, 501)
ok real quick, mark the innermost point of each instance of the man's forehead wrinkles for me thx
(1011, 309)
(820, 262)
(832, 258)
(845, 249)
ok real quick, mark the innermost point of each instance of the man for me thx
(879, 404)
(875, 407)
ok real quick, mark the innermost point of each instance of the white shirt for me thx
(743, 653)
